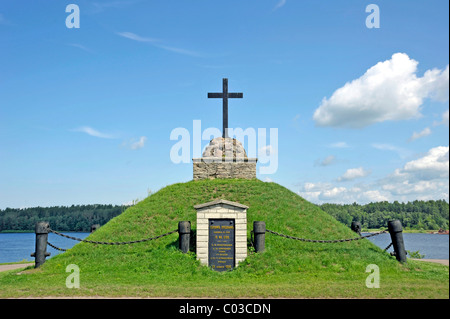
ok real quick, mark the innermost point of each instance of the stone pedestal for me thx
(224, 158)
(211, 168)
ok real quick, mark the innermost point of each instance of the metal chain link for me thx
(111, 243)
(325, 241)
(57, 248)
(389, 246)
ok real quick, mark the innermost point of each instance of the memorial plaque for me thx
(221, 239)
(221, 250)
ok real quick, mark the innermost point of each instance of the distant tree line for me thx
(61, 218)
(420, 215)
(417, 215)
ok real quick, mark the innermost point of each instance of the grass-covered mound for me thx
(288, 268)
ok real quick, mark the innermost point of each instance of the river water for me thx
(433, 246)
(19, 246)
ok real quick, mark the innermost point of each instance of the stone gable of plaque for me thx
(221, 234)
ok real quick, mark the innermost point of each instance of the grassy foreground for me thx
(288, 268)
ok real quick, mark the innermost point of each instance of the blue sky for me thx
(86, 113)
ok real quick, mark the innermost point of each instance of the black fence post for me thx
(40, 253)
(395, 230)
(356, 227)
(184, 231)
(259, 233)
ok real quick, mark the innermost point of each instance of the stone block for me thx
(211, 168)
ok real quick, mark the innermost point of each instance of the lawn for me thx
(287, 269)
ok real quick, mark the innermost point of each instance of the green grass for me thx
(288, 268)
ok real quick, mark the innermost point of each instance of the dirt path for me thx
(438, 261)
(14, 266)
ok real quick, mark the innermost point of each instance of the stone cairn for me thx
(224, 158)
(225, 147)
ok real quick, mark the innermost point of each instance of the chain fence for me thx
(332, 241)
(105, 242)
(254, 243)
(326, 241)
(176, 230)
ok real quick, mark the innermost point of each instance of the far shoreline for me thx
(409, 231)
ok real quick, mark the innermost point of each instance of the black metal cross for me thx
(225, 96)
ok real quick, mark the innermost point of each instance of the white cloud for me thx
(135, 37)
(408, 188)
(313, 191)
(80, 46)
(389, 90)
(435, 83)
(179, 50)
(389, 147)
(353, 173)
(329, 160)
(385, 147)
(333, 192)
(425, 178)
(280, 4)
(444, 120)
(92, 132)
(435, 164)
(139, 144)
(328, 193)
(339, 145)
(156, 43)
(375, 196)
(425, 132)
